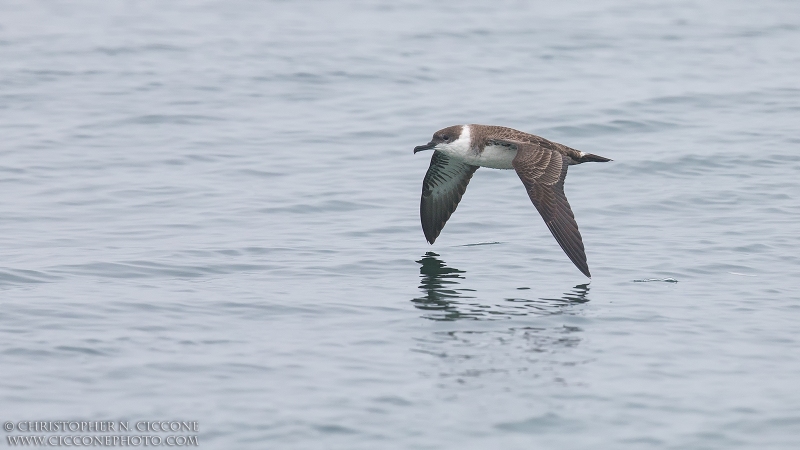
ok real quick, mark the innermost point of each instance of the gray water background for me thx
(209, 211)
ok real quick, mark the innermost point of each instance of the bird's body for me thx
(541, 165)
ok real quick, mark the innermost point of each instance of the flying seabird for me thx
(541, 165)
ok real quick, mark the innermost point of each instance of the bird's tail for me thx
(588, 157)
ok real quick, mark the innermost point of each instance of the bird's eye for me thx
(446, 137)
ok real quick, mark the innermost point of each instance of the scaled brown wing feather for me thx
(442, 188)
(543, 171)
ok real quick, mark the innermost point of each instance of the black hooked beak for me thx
(428, 146)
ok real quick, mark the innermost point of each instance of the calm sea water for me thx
(209, 211)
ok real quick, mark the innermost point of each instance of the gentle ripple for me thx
(210, 212)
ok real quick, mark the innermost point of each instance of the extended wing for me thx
(442, 188)
(542, 171)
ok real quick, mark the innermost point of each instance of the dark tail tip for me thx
(588, 157)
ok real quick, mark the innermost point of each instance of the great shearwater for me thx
(541, 165)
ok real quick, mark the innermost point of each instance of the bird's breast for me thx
(492, 156)
(495, 157)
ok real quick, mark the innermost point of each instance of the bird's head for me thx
(443, 137)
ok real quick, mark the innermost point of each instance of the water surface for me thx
(209, 211)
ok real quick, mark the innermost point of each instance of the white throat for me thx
(460, 148)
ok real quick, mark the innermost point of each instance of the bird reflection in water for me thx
(445, 301)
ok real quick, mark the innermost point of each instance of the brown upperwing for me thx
(542, 171)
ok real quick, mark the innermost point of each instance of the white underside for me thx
(493, 156)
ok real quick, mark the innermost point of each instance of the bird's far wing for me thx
(543, 171)
(442, 188)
